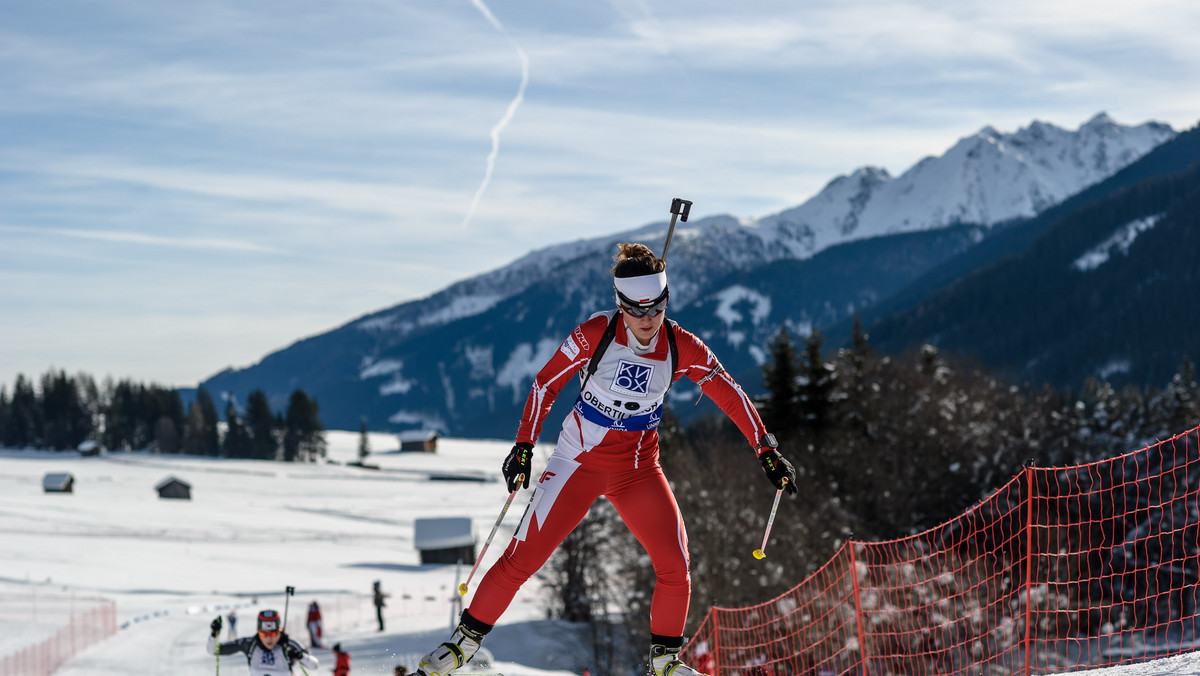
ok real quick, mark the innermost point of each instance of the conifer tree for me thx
(364, 442)
(200, 436)
(210, 443)
(5, 411)
(857, 412)
(817, 390)
(1183, 398)
(779, 408)
(237, 443)
(262, 426)
(166, 436)
(193, 430)
(162, 417)
(24, 424)
(65, 418)
(303, 437)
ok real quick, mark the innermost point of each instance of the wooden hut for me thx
(419, 440)
(58, 482)
(446, 539)
(89, 449)
(174, 488)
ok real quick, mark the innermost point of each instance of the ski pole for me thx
(287, 596)
(462, 588)
(760, 553)
(680, 208)
(218, 658)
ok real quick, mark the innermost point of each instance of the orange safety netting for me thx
(1061, 568)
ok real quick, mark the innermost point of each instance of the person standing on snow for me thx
(609, 446)
(379, 603)
(232, 617)
(314, 625)
(269, 652)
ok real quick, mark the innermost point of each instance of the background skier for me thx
(609, 446)
(269, 652)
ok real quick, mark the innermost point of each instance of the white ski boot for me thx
(664, 661)
(452, 654)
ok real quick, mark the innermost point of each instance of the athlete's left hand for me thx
(294, 653)
(779, 471)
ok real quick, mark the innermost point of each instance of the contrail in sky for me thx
(508, 114)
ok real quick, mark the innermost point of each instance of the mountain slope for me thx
(461, 360)
(1011, 238)
(1111, 289)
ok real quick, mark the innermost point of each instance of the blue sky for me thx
(186, 186)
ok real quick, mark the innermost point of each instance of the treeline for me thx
(63, 411)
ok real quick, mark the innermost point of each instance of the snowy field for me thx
(251, 529)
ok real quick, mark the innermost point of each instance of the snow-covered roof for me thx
(57, 481)
(169, 480)
(418, 435)
(443, 532)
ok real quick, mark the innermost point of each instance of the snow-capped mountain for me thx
(985, 178)
(462, 359)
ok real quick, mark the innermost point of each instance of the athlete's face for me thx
(268, 638)
(644, 328)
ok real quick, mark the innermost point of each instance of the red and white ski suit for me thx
(609, 446)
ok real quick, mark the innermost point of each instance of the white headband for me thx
(642, 289)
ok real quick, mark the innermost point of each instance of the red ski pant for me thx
(560, 500)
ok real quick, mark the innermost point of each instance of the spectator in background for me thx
(379, 603)
(232, 617)
(314, 625)
(341, 666)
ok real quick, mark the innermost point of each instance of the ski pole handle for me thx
(462, 588)
(680, 208)
(761, 553)
(287, 596)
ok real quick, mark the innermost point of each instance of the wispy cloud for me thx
(203, 243)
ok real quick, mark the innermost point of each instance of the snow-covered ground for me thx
(253, 528)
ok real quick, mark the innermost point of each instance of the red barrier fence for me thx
(70, 623)
(1060, 569)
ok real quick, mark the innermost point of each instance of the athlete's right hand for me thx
(518, 466)
(216, 626)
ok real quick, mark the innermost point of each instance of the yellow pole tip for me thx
(462, 589)
(760, 554)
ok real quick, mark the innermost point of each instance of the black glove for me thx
(216, 625)
(293, 653)
(778, 470)
(518, 466)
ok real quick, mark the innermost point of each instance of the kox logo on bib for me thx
(632, 378)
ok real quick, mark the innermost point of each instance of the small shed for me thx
(58, 482)
(174, 488)
(88, 448)
(419, 440)
(446, 539)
